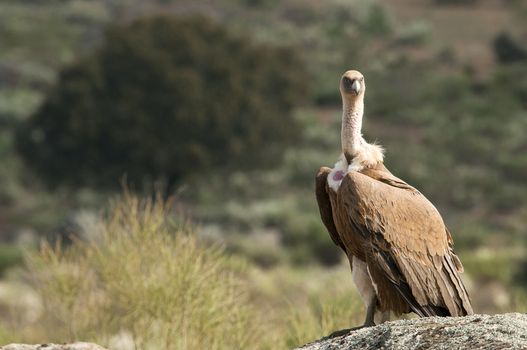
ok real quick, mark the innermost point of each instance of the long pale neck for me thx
(351, 137)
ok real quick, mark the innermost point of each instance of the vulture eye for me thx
(347, 83)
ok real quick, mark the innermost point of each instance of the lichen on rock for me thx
(492, 332)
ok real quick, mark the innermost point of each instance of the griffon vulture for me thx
(398, 246)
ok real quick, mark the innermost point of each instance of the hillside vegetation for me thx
(448, 102)
(152, 104)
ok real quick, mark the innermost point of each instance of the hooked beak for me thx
(355, 87)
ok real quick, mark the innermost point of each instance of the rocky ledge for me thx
(505, 331)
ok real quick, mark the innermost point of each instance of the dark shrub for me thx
(164, 98)
(507, 50)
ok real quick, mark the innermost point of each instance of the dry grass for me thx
(325, 312)
(302, 305)
(143, 281)
(145, 277)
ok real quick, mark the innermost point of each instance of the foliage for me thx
(144, 275)
(507, 50)
(326, 312)
(165, 98)
(9, 257)
(377, 21)
(307, 240)
(414, 34)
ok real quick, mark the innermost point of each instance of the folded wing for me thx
(404, 240)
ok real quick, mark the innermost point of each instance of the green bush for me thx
(308, 241)
(164, 98)
(10, 256)
(144, 276)
(377, 21)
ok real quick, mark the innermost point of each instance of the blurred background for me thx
(137, 132)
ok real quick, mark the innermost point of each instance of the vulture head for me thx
(352, 85)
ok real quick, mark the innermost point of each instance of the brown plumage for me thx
(387, 228)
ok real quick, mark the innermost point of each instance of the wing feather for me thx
(324, 206)
(407, 239)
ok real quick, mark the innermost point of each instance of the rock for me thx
(73, 346)
(506, 331)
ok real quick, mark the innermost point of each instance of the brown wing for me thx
(324, 206)
(406, 241)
